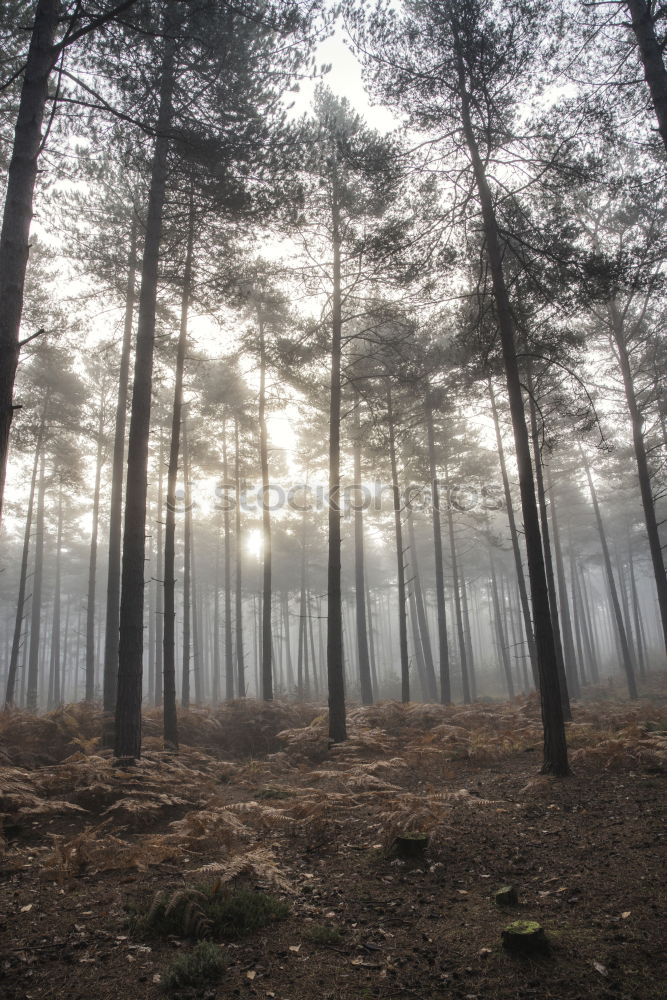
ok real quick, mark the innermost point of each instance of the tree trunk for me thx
(400, 554)
(443, 644)
(555, 747)
(650, 53)
(131, 627)
(431, 693)
(643, 473)
(267, 671)
(116, 503)
(500, 631)
(564, 604)
(54, 672)
(563, 677)
(514, 536)
(92, 564)
(470, 659)
(215, 681)
(187, 567)
(465, 683)
(611, 583)
(359, 568)
(238, 554)
(335, 668)
(36, 612)
(158, 583)
(17, 216)
(23, 577)
(170, 721)
(229, 650)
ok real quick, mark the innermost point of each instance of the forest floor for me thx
(88, 846)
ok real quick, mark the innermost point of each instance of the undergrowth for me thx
(200, 912)
(194, 969)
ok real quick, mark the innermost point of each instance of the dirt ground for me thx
(586, 855)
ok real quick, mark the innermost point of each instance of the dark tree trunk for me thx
(19, 191)
(626, 658)
(23, 577)
(650, 53)
(555, 746)
(470, 658)
(267, 669)
(359, 568)
(238, 554)
(465, 682)
(158, 583)
(54, 672)
(92, 564)
(131, 627)
(116, 504)
(302, 650)
(400, 554)
(500, 632)
(215, 685)
(335, 667)
(229, 650)
(636, 611)
(431, 693)
(643, 473)
(514, 536)
(37, 580)
(563, 677)
(564, 604)
(169, 574)
(443, 644)
(187, 567)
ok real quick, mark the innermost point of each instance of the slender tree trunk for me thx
(470, 658)
(23, 576)
(563, 676)
(267, 671)
(514, 537)
(555, 747)
(443, 643)
(158, 583)
(229, 651)
(465, 682)
(36, 612)
(588, 628)
(335, 663)
(359, 567)
(17, 216)
(431, 693)
(92, 564)
(238, 553)
(131, 623)
(371, 642)
(54, 673)
(151, 625)
(302, 650)
(187, 567)
(565, 619)
(400, 554)
(500, 631)
(636, 611)
(651, 55)
(636, 420)
(170, 721)
(116, 503)
(215, 686)
(626, 658)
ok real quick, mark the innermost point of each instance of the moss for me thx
(321, 934)
(204, 912)
(197, 968)
(524, 936)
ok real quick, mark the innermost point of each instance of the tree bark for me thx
(116, 503)
(443, 643)
(555, 748)
(650, 53)
(400, 554)
(238, 555)
(17, 216)
(187, 568)
(131, 625)
(267, 668)
(564, 604)
(36, 612)
(365, 679)
(626, 658)
(500, 631)
(92, 564)
(643, 473)
(465, 682)
(335, 668)
(54, 672)
(431, 692)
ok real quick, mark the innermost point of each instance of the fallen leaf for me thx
(295, 947)
(625, 914)
(26, 909)
(599, 967)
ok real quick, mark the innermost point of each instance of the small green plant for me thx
(197, 968)
(209, 911)
(273, 792)
(321, 934)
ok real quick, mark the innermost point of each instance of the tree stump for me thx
(525, 937)
(507, 896)
(411, 845)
